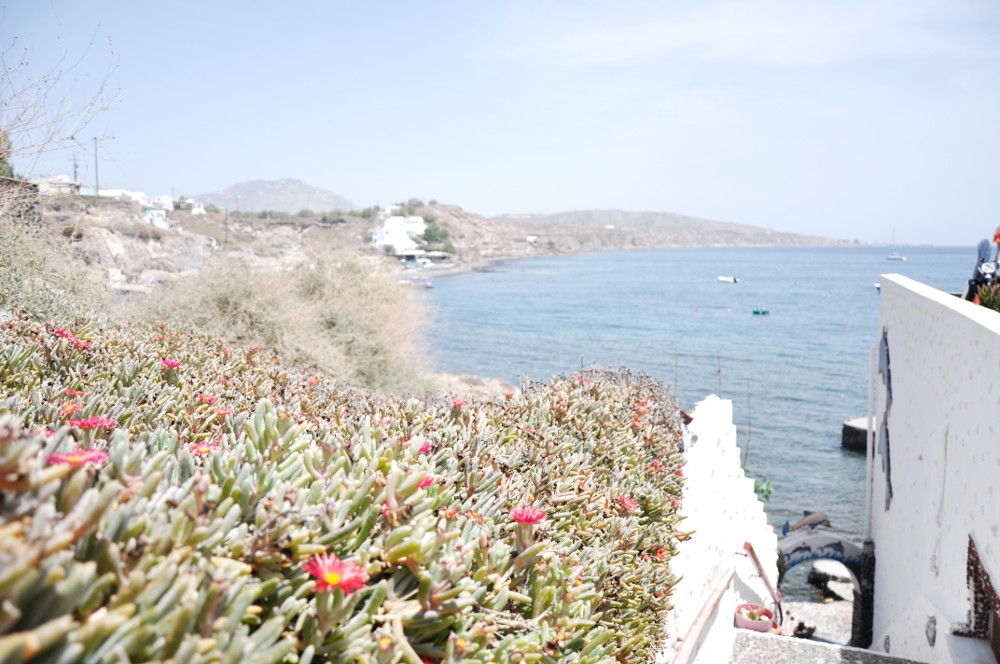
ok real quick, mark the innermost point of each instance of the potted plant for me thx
(754, 616)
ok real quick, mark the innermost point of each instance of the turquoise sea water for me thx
(794, 375)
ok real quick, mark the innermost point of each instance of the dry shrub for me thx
(33, 278)
(341, 316)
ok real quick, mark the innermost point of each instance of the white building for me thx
(934, 479)
(137, 196)
(400, 233)
(57, 185)
(164, 202)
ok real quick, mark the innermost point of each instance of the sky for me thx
(857, 119)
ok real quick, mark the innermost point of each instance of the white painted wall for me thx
(944, 453)
(721, 507)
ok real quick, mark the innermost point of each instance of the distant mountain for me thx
(287, 195)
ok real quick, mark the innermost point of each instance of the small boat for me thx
(728, 279)
(895, 255)
(761, 312)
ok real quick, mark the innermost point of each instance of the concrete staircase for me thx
(758, 648)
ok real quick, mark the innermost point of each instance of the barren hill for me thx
(288, 195)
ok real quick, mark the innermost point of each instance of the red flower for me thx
(206, 398)
(996, 236)
(94, 423)
(508, 395)
(331, 573)
(457, 403)
(79, 457)
(527, 514)
(426, 482)
(679, 473)
(426, 448)
(171, 364)
(627, 503)
(314, 381)
(203, 448)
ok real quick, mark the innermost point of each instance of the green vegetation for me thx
(167, 496)
(6, 152)
(434, 234)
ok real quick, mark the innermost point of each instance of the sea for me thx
(794, 374)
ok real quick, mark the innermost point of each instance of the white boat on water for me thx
(728, 279)
(895, 256)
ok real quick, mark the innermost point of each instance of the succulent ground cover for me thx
(164, 497)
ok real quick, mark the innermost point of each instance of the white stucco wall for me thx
(944, 456)
(721, 507)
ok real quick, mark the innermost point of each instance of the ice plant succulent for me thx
(78, 457)
(331, 573)
(627, 503)
(527, 514)
(94, 423)
(203, 448)
(170, 364)
(526, 517)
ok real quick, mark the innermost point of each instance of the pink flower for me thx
(627, 503)
(206, 398)
(80, 343)
(508, 395)
(70, 392)
(171, 364)
(222, 412)
(79, 457)
(679, 473)
(94, 423)
(70, 408)
(314, 381)
(457, 403)
(527, 514)
(384, 510)
(426, 482)
(331, 573)
(426, 448)
(203, 448)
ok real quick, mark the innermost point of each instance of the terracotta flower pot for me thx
(744, 621)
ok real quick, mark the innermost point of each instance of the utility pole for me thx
(97, 180)
(74, 169)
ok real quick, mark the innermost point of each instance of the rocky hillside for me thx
(112, 239)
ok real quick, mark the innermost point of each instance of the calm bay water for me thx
(793, 376)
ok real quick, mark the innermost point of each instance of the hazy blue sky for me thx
(844, 118)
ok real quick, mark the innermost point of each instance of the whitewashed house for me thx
(57, 185)
(164, 202)
(400, 233)
(137, 196)
(930, 590)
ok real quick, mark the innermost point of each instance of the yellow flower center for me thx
(75, 458)
(332, 578)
